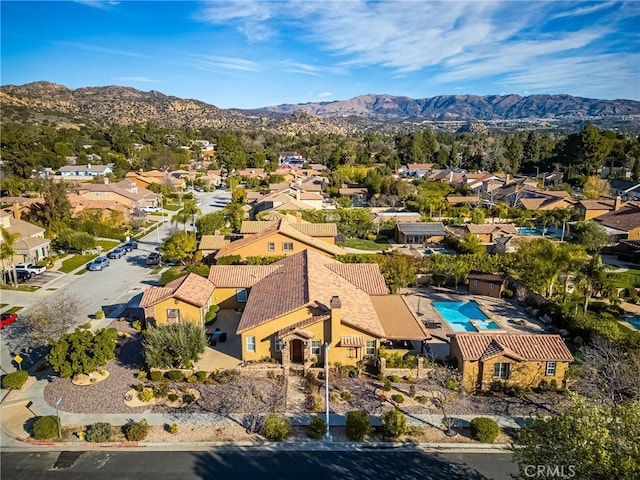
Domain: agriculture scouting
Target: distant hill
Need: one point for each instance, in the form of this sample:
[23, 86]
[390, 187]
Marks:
[468, 107]
[40, 101]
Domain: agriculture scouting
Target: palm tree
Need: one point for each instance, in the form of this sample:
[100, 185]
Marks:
[563, 215]
[593, 278]
[7, 252]
[189, 212]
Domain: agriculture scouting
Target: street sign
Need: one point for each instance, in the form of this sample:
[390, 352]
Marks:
[18, 359]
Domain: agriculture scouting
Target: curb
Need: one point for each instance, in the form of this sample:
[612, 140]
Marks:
[51, 443]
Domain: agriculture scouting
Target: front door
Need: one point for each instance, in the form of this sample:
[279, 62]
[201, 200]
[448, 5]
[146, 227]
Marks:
[296, 351]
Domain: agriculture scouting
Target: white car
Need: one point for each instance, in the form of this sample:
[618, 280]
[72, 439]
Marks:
[151, 209]
[31, 268]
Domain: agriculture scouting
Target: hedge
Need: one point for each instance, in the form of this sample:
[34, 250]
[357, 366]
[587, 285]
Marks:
[45, 428]
[15, 380]
[484, 430]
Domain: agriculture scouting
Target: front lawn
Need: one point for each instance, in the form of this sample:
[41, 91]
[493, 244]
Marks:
[106, 244]
[70, 264]
[20, 288]
[362, 244]
[172, 207]
[631, 278]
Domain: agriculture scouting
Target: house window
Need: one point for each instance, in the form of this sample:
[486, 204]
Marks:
[251, 344]
[551, 369]
[370, 347]
[278, 344]
[241, 295]
[315, 347]
[492, 286]
[271, 246]
[475, 282]
[173, 315]
[287, 246]
[501, 370]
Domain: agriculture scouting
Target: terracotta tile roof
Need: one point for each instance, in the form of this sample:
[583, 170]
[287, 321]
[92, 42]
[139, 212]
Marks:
[212, 242]
[626, 218]
[239, 276]
[599, 204]
[541, 347]
[546, 203]
[486, 277]
[24, 229]
[495, 349]
[353, 191]
[351, 341]
[398, 319]
[365, 276]
[420, 166]
[317, 229]
[310, 196]
[461, 200]
[294, 205]
[302, 324]
[191, 288]
[257, 226]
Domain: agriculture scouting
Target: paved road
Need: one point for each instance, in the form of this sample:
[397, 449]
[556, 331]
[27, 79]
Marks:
[255, 463]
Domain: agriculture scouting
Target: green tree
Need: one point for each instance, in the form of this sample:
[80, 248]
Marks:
[358, 425]
[471, 244]
[589, 442]
[173, 346]
[276, 427]
[56, 209]
[210, 223]
[591, 235]
[82, 351]
[179, 247]
[73, 240]
[7, 252]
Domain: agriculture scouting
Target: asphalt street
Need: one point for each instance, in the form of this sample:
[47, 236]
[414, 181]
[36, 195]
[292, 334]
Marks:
[109, 290]
[252, 463]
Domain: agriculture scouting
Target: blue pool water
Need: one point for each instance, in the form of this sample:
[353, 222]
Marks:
[460, 314]
[635, 321]
[537, 231]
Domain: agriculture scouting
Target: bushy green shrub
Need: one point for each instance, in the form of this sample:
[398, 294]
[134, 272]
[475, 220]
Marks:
[387, 385]
[173, 428]
[358, 425]
[99, 315]
[192, 379]
[422, 400]
[201, 375]
[137, 431]
[156, 375]
[142, 374]
[45, 428]
[146, 395]
[175, 375]
[313, 403]
[394, 378]
[224, 376]
[346, 395]
[172, 397]
[137, 325]
[99, 432]
[188, 398]
[394, 423]
[397, 398]
[316, 428]
[15, 380]
[276, 427]
[484, 430]
[175, 345]
[161, 390]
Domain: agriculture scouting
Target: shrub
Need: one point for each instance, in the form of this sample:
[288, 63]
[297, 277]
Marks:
[161, 390]
[156, 376]
[346, 395]
[387, 385]
[408, 378]
[175, 375]
[422, 400]
[86, 325]
[394, 378]
[316, 428]
[484, 430]
[192, 379]
[201, 375]
[99, 315]
[172, 397]
[188, 398]
[313, 403]
[137, 325]
[276, 427]
[412, 391]
[137, 431]
[146, 395]
[173, 428]
[358, 425]
[82, 351]
[45, 428]
[335, 396]
[394, 423]
[15, 380]
[452, 384]
[142, 374]
[139, 387]
[99, 432]
[397, 398]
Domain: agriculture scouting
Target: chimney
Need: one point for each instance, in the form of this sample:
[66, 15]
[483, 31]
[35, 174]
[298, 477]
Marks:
[297, 194]
[335, 305]
[106, 180]
[617, 204]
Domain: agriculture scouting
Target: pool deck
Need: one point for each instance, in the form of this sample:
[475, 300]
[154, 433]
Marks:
[507, 314]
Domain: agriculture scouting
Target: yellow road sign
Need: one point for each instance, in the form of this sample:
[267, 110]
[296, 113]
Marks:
[18, 359]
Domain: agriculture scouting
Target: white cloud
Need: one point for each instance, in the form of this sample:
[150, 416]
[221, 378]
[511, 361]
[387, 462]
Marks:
[322, 95]
[101, 4]
[213, 62]
[100, 49]
[138, 79]
[583, 10]
[248, 16]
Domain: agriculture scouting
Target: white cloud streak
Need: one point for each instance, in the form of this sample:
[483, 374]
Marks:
[100, 49]
[214, 62]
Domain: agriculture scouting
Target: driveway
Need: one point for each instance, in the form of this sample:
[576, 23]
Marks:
[45, 278]
[224, 354]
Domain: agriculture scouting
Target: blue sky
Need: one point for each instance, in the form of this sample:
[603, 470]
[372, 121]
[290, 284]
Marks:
[248, 54]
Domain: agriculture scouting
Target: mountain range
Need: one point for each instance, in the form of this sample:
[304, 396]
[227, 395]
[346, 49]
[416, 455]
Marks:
[39, 101]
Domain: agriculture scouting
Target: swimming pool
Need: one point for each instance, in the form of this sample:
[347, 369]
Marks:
[465, 316]
[635, 321]
[537, 232]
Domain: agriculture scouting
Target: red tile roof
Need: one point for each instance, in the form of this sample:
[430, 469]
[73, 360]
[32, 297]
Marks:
[191, 288]
[541, 347]
[244, 276]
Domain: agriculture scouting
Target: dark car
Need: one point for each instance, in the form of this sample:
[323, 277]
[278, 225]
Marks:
[154, 259]
[130, 245]
[7, 319]
[22, 276]
[117, 252]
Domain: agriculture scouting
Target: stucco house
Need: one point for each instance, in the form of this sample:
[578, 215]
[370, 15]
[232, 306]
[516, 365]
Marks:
[210, 245]
[126, 192]
[283, 237]
[30, 246]
[520, 359]
[291, 308]
[488, 233]
[590, 209]
[71, 171]
[622, 223]
[186, 299]
[488, 284]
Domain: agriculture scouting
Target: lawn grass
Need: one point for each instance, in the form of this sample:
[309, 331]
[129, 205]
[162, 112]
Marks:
[362, 244]
[70, 264]
[14, 309]
[21, 288]
[81, 272]
[107, 244]
[2, 305]
[156, 270]
[631, 278]
[172, 207]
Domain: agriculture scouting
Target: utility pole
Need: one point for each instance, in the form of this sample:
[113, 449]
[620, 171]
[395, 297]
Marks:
[327, 435]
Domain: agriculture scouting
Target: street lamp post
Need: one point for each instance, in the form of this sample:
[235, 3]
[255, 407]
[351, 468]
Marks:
[58, 417]
[327, 435]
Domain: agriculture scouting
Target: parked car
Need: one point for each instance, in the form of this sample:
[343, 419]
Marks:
[151, 209]
[22, 276]
[154, 259]
[117, 252]
[130, 245]
[7, 319]
[98, 264]
[30, 267]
